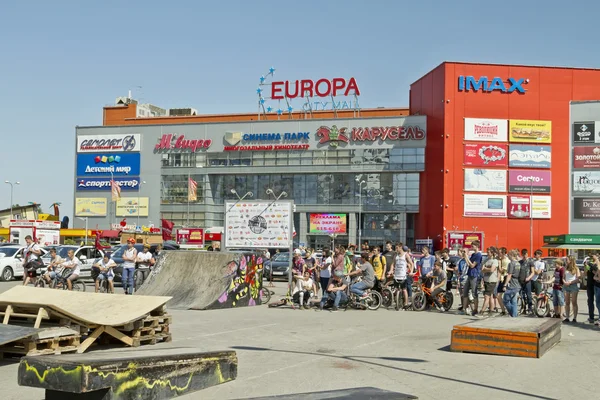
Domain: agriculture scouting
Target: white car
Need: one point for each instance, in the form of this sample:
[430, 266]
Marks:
[11, 262]
[88, 255]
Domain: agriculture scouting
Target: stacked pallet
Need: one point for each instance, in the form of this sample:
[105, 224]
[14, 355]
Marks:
[66, 328]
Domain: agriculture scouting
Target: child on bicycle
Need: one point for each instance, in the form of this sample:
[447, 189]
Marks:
[105, 267]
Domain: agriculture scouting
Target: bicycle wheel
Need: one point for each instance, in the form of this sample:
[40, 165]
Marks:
[387, 297]
[265, 296]
[374, 300]
[419, 301]
[78, 286]
[103, 286]
[448, 300]
[40, 283]
[520, 305]
[540, 309]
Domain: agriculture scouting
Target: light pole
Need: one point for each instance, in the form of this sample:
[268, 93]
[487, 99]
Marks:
[248, 194]
[360, 183]
[11, 197]
[531, 218]
[86, 228]
[138, 208]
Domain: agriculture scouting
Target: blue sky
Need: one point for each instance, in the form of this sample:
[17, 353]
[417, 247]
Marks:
[63, 61]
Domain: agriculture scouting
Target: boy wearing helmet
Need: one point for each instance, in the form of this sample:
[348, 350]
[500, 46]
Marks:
[129, 258]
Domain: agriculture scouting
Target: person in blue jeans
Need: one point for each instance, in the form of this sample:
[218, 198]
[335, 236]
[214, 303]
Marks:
[365, 269]
[336, 291]
[129, 257]
[512, 285]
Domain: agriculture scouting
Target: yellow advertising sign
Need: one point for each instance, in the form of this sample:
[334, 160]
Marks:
[91, 207]
[131, 206]
[529, 131]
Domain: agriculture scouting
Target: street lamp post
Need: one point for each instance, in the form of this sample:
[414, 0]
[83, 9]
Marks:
[138, 208]
[86, 228]
[11, 196]
[360, 183]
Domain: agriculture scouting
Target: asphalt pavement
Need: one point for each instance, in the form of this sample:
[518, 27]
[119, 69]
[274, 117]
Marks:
[284, 351]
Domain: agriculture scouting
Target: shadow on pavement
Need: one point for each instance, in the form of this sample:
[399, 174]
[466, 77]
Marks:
[362, 359]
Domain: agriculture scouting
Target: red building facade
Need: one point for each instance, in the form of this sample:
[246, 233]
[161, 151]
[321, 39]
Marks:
[453, 92]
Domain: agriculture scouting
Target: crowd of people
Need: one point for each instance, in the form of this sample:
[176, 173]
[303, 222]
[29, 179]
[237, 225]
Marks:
[508, 279]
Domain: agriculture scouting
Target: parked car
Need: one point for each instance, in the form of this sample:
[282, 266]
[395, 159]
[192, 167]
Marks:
[117, 255]
[277, 266]
[11, 262]
[87, 255]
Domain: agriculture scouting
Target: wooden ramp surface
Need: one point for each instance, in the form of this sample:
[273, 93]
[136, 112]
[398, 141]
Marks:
[89, 308]
[521, 337]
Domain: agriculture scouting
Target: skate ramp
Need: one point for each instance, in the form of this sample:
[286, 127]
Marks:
[206, 280]
[89, 308]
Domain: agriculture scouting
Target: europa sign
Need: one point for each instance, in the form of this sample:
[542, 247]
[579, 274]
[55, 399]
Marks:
[309, 88]
[336, 136]
[489, 85]
[170, 142]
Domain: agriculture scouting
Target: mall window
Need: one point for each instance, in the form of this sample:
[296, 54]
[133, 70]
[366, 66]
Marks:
[182, 218]
[174, 189]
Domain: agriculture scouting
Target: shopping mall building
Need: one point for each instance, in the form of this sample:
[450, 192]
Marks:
[505, 153]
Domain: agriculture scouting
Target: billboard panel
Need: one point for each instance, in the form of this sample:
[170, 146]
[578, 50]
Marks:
[485, 155]
[519, 207]
[483, 205]
[530, 131]
[586, 157]
[459, 240]
[486, 130]
[485, 180]
[190, 236]
[527, 181]
[529, 156]
[109, 143]
[327, 223]
[541, 207]
[132, 207]
[92, 164]
[586, 209]
[131, 183]
[586, 183]
[258, 224]
[91, 207]
[584, 132]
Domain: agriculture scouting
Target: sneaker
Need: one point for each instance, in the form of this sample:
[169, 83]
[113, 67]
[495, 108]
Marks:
[597, 323]
[461, 312]
[474, 313]
[566, 321]
[320, 308]
[364, 296]
[460, 308]
[574, 321]
[590, 320]
[334, 309]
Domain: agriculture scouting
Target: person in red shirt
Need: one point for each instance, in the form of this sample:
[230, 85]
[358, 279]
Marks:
[558, 296]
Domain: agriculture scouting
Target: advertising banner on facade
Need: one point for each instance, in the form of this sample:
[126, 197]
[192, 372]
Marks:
[131, 183]
[586, 208]
[485, 180]
[101, 165]
[259, 224]
[585, 132]
[190, 236]
[529, 131]
[327, 223]
[463, 240]
[48, 237]
[109, 143]
[132, 206]
[527, 181]
[586, 157]
[486, 130]
[541, 207]
[483, 205]
[519, 207]
[91, 207]
[586, 183]
[530, 156]
[486, 155]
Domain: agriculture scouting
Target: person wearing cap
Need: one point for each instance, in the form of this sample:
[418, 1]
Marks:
[105, 265]
[336, 291]
[145, 260]
[129, 259]
[298, 265]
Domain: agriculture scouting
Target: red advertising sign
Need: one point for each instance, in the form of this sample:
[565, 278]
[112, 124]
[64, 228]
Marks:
[459, 240]
[519, 207]
[307, 87]
[190, 236]
[171, 141]
[586, 157]
[481, 155]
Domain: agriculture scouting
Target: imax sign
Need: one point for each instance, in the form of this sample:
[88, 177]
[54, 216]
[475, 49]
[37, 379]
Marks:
[485, 84]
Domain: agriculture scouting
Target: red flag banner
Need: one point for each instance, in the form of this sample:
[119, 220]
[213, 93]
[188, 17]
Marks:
[167, 229]
[192, 190]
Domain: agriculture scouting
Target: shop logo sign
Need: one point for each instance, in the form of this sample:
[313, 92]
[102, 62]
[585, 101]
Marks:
[171, 142]
[335, 136]
[332, 135]
[485, 84]
[233, 138]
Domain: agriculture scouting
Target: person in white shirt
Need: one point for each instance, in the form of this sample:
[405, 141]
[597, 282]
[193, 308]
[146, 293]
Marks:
[129, 259]
[105, 265]
[538, 272]
[145, 260]
[302, 290]
[54, 268]
[73, 264]
[325, 273]
[31, 255]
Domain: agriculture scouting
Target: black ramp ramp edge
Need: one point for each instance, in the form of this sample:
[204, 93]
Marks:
[360, 393]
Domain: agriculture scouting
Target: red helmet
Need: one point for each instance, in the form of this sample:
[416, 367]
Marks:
[131, 240]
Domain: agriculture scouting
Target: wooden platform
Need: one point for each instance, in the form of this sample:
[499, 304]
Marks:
[519, 337]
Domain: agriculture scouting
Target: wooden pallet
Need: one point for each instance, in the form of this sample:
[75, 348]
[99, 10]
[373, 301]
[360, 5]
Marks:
[38, 347]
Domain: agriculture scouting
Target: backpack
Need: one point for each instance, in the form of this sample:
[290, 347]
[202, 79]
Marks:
[347, 264]
[381, 260]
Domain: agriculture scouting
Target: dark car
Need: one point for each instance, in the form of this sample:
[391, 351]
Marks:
[117, 255]
[277, 266]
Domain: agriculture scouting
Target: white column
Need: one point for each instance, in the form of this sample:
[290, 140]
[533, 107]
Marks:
[302, 230]
[352, 228]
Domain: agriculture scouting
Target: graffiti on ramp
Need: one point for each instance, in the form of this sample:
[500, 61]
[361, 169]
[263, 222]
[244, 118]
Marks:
[245, 274]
